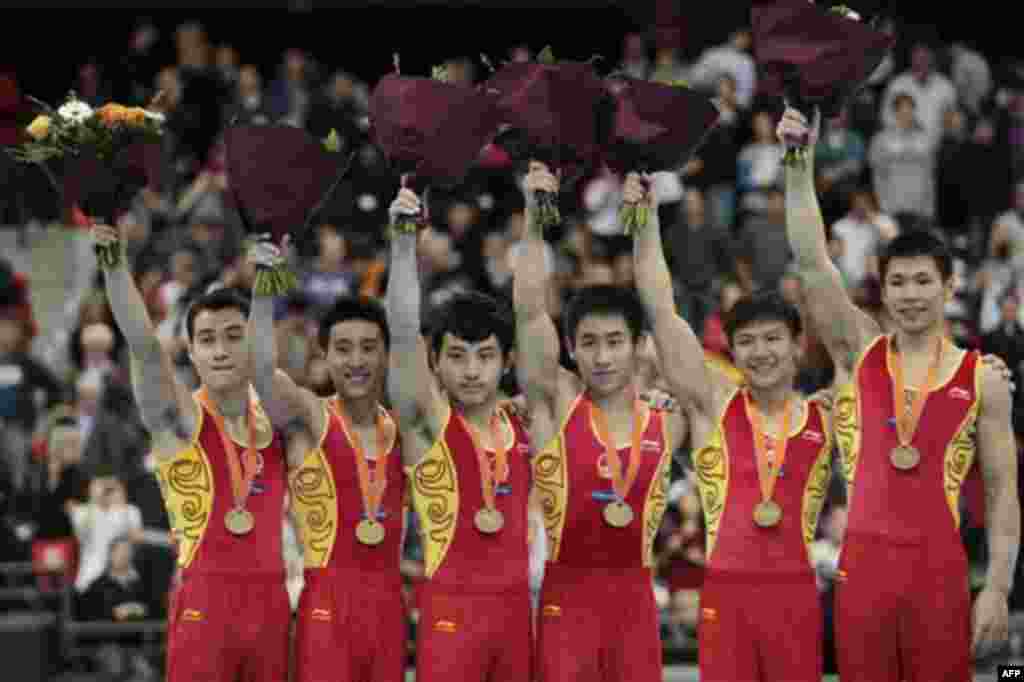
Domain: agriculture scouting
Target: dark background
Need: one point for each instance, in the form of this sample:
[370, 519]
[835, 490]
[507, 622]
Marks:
[45, 40]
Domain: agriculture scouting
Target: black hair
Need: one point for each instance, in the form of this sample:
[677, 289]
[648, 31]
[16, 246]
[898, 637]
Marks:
[220, 299]
[354, 308]
[765, 306]
[914, 244]
[604, 300]
[473, 317]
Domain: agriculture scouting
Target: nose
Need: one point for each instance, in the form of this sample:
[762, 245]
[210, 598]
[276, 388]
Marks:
[472, 367]
[602, 356]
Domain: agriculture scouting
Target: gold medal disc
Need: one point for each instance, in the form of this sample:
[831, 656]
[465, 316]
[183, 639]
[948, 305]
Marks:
[618, 514]
[767, 514]
[239, 521]
[905, 457]
[489, 521]
[370, 532]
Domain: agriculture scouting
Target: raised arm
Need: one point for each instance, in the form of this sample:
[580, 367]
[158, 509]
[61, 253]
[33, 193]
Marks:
[284, 400]
[843, 327]
[679, 349]
[165, 405]
[411, 385]
[997, 457]
[536, 334]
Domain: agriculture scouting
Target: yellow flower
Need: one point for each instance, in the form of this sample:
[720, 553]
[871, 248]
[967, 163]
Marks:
[332, 142]
[39, 128]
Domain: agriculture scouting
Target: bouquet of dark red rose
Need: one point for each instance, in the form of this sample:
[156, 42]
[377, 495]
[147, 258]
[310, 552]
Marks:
[430, 130]
[107, 155]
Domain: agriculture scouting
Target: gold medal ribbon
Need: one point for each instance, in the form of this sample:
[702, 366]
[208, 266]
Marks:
[372, 484]
[490, 476]
[620, 484]
[906, 424]
[242, 472]
[767, 472]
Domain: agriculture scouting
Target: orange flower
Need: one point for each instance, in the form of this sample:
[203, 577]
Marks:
[135, 116]
[112, 114]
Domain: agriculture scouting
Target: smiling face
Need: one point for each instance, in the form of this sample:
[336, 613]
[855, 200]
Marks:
[767, 353]
[357, 358]
[219, 351]
[914, 294]
[605, 353]
[470, 372]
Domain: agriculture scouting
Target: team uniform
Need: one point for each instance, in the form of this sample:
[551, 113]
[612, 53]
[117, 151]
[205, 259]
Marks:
[475, 616]
[351, 618]
[760, 616]
[903, 602]
[229, 613]
[598, 619]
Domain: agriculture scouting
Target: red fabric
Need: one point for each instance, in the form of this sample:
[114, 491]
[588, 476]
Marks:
[779, 639]
[468, 638]
[714, 338]
[363, 629]
[46, 552]
[378, 561]
[742, 546]
[487, 563]
[902, 612]
[228, 628]
[907, 506]
[260, 551]
[587, 540]
[599, 624]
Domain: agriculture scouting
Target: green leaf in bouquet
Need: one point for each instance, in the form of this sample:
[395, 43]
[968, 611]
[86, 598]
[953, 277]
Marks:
[546, 56]
[332, 142]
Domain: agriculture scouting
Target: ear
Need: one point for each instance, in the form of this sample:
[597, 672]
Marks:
[570, 348]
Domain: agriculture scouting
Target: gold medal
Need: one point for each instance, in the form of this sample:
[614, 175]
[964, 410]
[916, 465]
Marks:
[489, 521]
[239, 521]
[767, 514]
[370, 532]
[905, 457]
[618, 514]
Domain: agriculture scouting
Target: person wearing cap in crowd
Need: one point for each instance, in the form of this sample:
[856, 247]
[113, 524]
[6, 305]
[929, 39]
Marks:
[222, 473]
[348, 492]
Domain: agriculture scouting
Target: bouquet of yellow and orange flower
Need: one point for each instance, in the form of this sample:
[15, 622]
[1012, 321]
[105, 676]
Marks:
[108, 154]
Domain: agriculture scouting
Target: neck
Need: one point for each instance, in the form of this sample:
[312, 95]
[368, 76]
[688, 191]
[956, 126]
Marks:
[479, 415]
[618, 402]
[772, 400]
[360, 411]
[918, 342]
[231, 403]
[120, 572]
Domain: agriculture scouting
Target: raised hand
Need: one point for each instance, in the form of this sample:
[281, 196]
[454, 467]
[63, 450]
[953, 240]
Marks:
[404, 211]
[797, 134]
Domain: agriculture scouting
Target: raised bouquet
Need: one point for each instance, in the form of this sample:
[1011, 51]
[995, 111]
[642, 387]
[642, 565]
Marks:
[657, 128]
[430, 130]
[556, 112]
[813, 57]
[282, 179]
[105, 156]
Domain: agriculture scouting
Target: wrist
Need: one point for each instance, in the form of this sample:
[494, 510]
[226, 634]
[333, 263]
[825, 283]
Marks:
[1001, 588]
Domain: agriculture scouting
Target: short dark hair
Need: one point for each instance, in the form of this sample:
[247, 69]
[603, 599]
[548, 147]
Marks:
[473, 317]
[354, 308]
[219, 299]
[605, 300]
[764, 306]
[914, 244]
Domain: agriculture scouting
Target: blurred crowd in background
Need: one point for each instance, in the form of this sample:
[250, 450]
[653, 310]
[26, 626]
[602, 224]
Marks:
[935, 142]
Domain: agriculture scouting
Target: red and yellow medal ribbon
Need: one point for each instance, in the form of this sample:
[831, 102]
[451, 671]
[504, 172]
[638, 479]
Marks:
[372, 483]
[767, 472]
[490, 476]
[906, 424]
[620, 484]
[242, 472]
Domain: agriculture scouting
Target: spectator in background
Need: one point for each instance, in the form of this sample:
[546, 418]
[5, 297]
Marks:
[1007, 341]
[338, 106]
[112, 432]
[1007, 234]
[860, 233]
[696, 252]
[759, 165]
[953, 209]
[330, 275]
[98, 523]
[226, 61]
[139, 65]
[731, 58]
[763, 242]
[972, 77]
[90, 86]
[200, 111]
[249, 104]
[902, 160]
[839, 159]
[635, 62]
[718, 173]
[931, 91]
[290, 94]
[713, 335]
